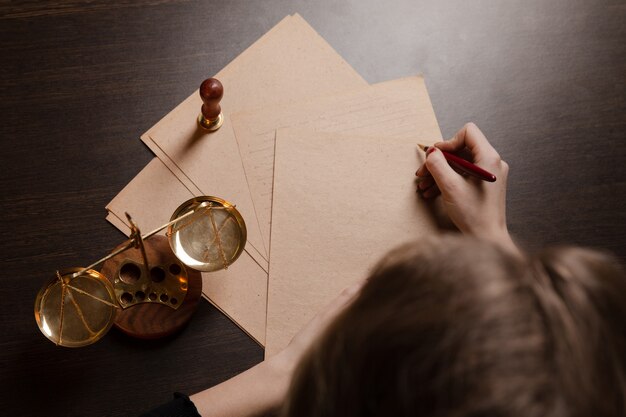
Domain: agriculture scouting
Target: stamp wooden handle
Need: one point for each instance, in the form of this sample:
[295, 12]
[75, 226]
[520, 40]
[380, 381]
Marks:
[211, 92]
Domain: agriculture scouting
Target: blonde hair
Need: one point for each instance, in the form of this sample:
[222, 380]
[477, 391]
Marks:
[453, 326]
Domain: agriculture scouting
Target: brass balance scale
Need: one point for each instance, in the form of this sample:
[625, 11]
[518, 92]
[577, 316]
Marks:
[150, 285]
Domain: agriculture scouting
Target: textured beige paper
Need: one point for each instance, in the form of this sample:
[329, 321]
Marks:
[284, 24]
[397, 108]
[340, 203]
[240, 292]
[401, 108]
[291, 62]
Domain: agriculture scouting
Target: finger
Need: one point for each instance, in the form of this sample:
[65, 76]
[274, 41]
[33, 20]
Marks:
[425, 183]
[422, 172]
[340, 302]
[448, 181]
[432, 192]
[471, 137]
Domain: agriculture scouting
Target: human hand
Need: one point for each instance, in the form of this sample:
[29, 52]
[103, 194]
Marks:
[476, 207]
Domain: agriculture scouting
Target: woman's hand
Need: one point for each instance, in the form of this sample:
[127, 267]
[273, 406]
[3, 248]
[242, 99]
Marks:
[476, 207]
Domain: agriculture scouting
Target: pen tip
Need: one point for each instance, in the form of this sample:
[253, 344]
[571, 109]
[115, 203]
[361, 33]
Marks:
[422, 147]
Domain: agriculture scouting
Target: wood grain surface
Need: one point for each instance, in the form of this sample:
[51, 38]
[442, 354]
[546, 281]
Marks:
[81, 80]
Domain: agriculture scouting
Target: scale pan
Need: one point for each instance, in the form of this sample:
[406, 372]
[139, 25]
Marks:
[210, 239]
[75, 312]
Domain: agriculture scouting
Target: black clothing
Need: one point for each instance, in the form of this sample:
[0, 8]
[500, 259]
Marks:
[180, 406]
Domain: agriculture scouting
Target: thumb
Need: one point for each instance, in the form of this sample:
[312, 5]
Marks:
[446, 178]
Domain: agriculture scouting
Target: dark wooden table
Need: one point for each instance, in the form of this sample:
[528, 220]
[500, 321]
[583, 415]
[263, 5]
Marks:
[81, 80]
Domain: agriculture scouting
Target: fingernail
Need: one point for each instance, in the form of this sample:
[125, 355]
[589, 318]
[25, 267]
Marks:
[431, 150]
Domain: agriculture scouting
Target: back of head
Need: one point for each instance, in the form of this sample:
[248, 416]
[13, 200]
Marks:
[457, 327]
[582, 296]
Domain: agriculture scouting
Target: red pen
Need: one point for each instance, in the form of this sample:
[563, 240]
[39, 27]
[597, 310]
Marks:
[463, 165]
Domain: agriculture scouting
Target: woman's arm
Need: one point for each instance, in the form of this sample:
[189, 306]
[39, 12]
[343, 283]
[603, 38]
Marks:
[262, 388]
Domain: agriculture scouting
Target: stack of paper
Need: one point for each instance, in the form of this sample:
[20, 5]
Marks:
[319, 163]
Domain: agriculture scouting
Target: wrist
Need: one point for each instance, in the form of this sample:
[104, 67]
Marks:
[260, 390]
[276, 373]
[502, 238]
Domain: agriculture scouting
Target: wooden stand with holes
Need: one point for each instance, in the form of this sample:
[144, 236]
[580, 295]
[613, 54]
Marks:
[154, 320]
